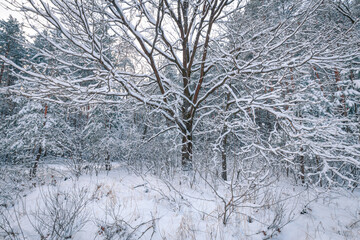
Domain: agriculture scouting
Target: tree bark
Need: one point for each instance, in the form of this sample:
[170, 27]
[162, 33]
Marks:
[2, 71]
[107, 162]
[3, 65]
[187, 146]
[223, 156]
[318, 168]
[36, 163]
[302, 167]
[224, 143]
[187, 152]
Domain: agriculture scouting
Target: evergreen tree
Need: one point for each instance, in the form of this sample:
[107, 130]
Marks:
[36, 130]
[12, 46]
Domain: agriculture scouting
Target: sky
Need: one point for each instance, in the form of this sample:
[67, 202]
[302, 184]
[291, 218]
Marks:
[5, 12]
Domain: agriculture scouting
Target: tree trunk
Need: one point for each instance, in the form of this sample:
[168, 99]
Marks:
[224, 143]
[186, 152]
[223, 156]
[318, 169]
[187, 147]
[107, 162]
[302, 167]
[339, 88]
[36, 163]
[3, 65]
[2, 71]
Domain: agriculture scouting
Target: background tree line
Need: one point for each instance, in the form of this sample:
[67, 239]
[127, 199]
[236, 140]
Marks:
[232, 89]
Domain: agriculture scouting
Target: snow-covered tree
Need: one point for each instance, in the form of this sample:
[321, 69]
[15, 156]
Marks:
[37, 129]
[242, 69]
[11, 46]
[282, 114]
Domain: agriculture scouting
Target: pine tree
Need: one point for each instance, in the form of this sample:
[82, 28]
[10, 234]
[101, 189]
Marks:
[37, 129]
[11, 46]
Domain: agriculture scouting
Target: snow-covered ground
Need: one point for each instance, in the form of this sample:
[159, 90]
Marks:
[121, 204]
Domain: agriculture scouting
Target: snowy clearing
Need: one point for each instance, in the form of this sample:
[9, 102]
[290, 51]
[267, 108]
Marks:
[123, 205]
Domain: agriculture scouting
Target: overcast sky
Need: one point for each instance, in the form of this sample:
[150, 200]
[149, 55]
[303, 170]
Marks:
[5, 12]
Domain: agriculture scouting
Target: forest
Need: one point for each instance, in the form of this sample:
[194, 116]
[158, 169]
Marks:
[180, 119]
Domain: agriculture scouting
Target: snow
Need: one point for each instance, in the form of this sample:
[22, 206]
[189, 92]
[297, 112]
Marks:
[330, 217]
[128, 205]
[212, 86]
[357, 83]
